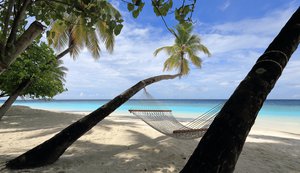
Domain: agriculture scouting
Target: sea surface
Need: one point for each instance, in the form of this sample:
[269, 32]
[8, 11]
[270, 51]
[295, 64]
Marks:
[184, 108]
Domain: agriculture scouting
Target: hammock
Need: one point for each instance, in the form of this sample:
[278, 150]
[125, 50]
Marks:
[164, 122]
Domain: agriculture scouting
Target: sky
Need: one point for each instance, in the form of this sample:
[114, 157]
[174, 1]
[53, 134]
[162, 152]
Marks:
[235, 31]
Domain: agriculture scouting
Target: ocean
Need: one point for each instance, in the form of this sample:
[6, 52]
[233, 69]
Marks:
[185, 108]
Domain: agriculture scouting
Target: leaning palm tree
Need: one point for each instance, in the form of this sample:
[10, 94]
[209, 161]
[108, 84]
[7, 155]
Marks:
[185, 48]
[73, 34]
[49, 151]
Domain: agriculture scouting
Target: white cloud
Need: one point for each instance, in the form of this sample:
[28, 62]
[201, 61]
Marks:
[235, 47]
[268, 25]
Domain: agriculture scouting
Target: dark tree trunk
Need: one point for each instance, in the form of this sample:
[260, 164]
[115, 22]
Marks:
[63, 53]
[49, 151]
[12, 98]
[220, 147]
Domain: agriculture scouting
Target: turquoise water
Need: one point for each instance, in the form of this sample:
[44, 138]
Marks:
[190, 108]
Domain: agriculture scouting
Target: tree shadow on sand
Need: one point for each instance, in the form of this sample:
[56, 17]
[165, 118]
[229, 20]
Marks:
[140, 153]
[23, 118]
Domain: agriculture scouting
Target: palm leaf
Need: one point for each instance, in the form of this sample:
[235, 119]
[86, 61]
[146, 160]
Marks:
[184, 68]
[93, 45]
[172, 63]
[185, 48]
[168, 49]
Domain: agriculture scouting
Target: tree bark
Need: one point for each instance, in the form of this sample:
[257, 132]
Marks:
[12, 98]
[13, 51]
[16, 22]
[9, 12]
[49, 151]
[63, 53]
[220, 147]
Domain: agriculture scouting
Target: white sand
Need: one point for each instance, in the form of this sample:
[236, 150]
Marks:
[126, 144]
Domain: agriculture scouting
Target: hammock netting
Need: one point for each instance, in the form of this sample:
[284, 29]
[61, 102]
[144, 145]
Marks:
[164, 122]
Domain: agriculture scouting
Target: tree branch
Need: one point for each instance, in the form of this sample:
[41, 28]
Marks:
[61, 2]
[63, 53]
[35, 29]
[192, 10]
[3, 94]
[6, 22]
[163, 19]
[20, 15]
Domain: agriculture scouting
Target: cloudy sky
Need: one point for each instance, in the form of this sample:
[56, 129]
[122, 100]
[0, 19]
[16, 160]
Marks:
[235, 31]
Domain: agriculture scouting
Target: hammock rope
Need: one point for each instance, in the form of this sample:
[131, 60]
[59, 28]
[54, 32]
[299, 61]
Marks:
[164, 122]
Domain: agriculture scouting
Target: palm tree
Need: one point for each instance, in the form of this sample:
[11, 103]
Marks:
[75, 34]
[220, 147]
[49, 151]
[185, 48]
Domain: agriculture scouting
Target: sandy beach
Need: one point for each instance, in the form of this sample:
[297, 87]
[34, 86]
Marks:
[126, 144]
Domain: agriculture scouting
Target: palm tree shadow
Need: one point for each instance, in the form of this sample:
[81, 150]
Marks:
[144, 155]
[141, 154]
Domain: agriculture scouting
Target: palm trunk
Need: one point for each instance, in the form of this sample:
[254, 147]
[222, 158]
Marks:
[12, 98]
[49, 151]
[63, 53]
[220, 147]
[11, 52]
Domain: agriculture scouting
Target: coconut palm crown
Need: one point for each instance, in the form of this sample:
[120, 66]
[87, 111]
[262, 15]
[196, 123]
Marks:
[73, 34]
[185, 48]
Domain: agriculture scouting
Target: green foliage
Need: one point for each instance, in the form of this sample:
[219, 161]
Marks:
[135, 6]
[74, 33]
[185, 48]
[38, 63]
[162, 7]
[182, 14]
[90, 11]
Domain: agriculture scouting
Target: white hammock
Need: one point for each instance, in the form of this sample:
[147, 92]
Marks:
[164, 122]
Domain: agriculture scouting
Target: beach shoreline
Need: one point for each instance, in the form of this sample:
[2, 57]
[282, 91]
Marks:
[127, 144]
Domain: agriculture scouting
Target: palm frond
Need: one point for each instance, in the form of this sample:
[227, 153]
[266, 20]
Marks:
[168, 49]
[172, 63]
[193, 39]
[61, 36]
[184, 68]
[196, 60]
[203, 49]
[105, 36]
[93, 45]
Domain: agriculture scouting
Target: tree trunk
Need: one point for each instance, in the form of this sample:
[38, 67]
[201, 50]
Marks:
[49, 151]
[11, 52]
[12, 98]
[63, 53]
[220, 147]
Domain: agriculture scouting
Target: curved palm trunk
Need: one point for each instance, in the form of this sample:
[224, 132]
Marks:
[219, 149]
[49, 151]
[11, 99]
